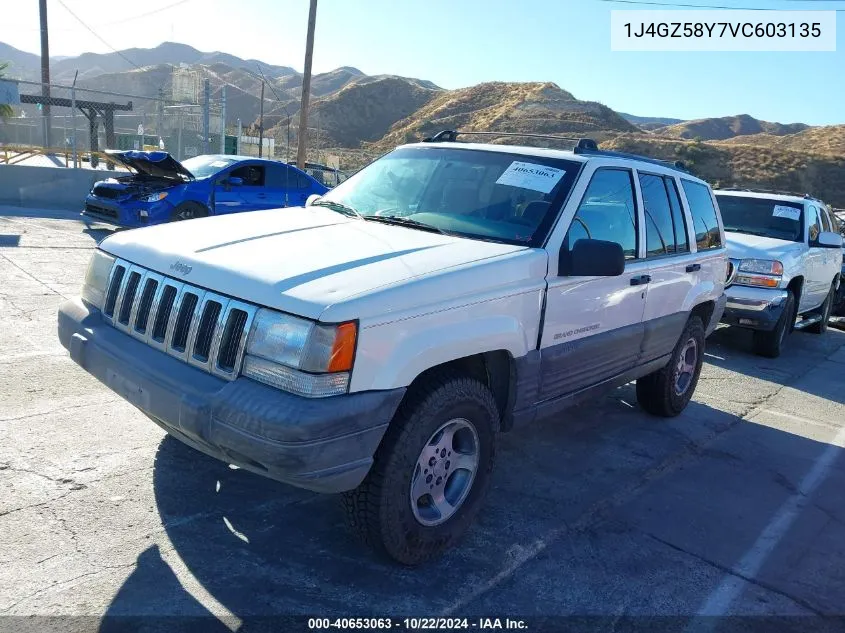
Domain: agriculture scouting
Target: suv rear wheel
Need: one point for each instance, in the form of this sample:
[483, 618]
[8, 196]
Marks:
[667, 391]
[430, 474]
[770, 344]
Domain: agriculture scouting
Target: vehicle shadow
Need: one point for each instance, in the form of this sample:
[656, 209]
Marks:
[565, 491]
[731, 348]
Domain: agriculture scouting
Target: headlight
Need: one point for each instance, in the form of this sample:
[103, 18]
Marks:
[155, 197]
[96, 278]
[759, 272]
[762, 266]
[298, 355]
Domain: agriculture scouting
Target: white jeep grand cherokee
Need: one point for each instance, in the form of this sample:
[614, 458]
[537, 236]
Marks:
[376, 341]
[786, 258]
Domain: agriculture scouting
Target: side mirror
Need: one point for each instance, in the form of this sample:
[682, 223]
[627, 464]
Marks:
[234, 181]
[594, 258]
[829, 239]
[312, 199]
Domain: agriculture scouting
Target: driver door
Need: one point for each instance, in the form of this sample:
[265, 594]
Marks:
[249, 195]
[593, 327]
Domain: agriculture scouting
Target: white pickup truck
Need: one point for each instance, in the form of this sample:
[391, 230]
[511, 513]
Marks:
[786, 261]
[376, 341]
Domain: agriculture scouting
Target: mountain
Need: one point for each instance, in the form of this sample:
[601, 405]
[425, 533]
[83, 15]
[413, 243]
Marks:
[732, 164]
[22, 65]
[649, 120]
[827, 139]
[537, 108]
[728, 127]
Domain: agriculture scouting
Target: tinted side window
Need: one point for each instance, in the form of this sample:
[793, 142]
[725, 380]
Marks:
[607, 211]
[660, 233]
[813, 223]
[284, 177]
[703, 213]
[252, 175]
[678, 218]
[825, 217]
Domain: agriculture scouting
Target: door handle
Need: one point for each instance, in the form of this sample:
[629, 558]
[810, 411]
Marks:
[642, 279]
[693, 267]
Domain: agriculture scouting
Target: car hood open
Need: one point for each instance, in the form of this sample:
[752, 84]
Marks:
[298, 260]
[156, 164]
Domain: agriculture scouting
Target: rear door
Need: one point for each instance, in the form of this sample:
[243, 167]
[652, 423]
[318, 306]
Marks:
[287, 186]
[672, 266]
[592, 328]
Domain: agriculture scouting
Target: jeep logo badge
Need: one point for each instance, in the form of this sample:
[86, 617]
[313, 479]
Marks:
[179, 267]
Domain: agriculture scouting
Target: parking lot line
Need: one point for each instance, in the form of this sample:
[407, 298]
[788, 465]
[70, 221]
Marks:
[722, 598]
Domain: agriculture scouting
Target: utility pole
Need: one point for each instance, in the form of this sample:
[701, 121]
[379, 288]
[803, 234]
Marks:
[160, 117]
[261, 124]
[306, 86]
[45, 71]
[206, 115]
[223, 121]
[73, 117]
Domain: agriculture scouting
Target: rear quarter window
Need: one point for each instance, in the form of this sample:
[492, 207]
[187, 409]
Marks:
[704, 219]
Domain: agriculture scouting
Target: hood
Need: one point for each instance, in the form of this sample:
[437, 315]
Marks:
[298, 260]
[744, 246]
[157, 164]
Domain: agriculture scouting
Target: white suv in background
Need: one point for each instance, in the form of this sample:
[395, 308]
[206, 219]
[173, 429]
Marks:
[376, 341]
[786, 260]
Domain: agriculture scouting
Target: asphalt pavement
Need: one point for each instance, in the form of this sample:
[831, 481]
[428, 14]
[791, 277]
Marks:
[603, 518]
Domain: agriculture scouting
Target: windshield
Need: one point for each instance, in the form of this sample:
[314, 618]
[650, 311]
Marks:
[760, 216]
[496, 196]
[205, 166]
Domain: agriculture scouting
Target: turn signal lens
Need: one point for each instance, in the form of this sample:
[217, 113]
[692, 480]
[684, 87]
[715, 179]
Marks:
[343, 349]
[757, 280]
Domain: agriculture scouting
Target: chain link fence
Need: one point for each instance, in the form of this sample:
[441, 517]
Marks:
[183, 111]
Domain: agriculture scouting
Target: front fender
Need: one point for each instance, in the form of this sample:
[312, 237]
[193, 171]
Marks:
[393, 354]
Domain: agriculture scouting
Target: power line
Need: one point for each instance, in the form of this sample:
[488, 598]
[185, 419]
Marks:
[144, 15]
[94, 33]
[696, 6]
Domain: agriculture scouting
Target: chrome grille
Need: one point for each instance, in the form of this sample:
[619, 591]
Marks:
[200, 327]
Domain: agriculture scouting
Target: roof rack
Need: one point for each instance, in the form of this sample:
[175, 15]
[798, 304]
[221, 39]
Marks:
[451, 136]
[777, 192]
[585, 146]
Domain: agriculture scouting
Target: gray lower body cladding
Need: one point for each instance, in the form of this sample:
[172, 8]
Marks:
[320, 444]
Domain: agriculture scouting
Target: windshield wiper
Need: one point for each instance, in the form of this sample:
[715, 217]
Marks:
[345, 209]
[400, 221]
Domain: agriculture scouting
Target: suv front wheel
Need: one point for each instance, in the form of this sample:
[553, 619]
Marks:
[667, 391]
[770, 343]
[431, 473]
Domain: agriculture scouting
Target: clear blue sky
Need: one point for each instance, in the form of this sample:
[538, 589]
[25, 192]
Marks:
[458, 43]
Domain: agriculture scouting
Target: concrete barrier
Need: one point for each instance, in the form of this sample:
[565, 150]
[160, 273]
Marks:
[48, 187]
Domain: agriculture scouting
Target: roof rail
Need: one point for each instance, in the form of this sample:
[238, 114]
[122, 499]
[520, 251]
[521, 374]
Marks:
[777, 192]
[679, 165]
[585, 146]
[451, 136]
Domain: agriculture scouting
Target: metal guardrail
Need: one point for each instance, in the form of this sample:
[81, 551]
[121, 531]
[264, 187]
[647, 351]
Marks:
[15, 154]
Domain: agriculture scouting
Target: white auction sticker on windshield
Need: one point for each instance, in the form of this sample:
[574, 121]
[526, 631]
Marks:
[531, 176]
[786, 212]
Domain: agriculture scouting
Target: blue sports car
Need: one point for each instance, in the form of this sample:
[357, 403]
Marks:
[162, 189]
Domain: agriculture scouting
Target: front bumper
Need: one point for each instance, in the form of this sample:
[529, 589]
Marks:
[126, 213]
[754, 308]
[321, 444]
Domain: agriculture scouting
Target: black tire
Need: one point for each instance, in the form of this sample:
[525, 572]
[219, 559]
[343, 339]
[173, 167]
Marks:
[667, 391]
[188, 211]
[771, 343]
[380, 509]
[825, 311]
